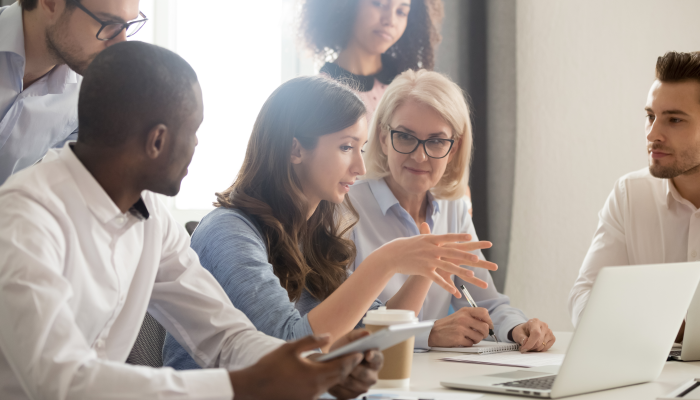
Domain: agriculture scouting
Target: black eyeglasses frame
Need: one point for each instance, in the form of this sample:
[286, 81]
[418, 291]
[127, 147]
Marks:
[125, 25]
[420, 142]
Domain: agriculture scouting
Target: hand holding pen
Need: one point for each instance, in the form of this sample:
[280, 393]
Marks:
[465, 327]
[472, 303]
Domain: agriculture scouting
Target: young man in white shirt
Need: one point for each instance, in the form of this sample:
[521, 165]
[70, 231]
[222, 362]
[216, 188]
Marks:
[86, 250]
[45, 45]
[652, 215]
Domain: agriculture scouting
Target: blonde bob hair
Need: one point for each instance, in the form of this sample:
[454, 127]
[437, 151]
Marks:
[447, 99]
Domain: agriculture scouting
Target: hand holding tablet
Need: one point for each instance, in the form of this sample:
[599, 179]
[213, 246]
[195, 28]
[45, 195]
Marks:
[380, 340]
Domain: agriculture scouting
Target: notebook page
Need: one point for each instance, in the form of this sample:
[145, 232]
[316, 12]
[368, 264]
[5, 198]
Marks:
[482, 347]
[511, 359]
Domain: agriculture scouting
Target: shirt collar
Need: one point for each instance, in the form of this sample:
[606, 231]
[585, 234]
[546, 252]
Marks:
[672, 194]
[12, 30]
[96, 199]
[12, 41]
[59, 77]
[363, 83]
[432, 201]
[386, 199]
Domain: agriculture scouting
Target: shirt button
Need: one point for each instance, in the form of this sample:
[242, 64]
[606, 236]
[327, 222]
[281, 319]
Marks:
[100, 343]
[693, 254]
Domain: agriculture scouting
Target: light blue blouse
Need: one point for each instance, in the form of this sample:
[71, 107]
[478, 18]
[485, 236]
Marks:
[231, 246]
[382, 219]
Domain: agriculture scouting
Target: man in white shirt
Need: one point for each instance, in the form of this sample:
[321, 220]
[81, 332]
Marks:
[652, 215]
[44, 46]
[86, 250]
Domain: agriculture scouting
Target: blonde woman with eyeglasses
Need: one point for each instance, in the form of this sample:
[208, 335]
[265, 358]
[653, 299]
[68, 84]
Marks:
[417, 164]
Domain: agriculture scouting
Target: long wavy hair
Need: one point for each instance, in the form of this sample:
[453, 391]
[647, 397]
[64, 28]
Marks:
[306, 254]
[325, 27]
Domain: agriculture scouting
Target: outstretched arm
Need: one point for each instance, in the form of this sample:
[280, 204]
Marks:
[422, 255]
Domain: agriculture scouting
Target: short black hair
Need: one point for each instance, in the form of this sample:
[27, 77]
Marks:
[29, 5]
[131, 87]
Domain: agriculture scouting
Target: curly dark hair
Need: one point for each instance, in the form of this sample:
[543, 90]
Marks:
[326, 25]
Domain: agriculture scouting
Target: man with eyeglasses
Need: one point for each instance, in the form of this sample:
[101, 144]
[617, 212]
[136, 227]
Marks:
[45, 45]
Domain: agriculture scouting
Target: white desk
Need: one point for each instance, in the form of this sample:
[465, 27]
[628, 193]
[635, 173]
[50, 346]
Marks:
[428, 371]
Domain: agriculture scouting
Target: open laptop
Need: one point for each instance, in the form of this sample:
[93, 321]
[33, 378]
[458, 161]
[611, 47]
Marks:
[623, 337]
[690, 350]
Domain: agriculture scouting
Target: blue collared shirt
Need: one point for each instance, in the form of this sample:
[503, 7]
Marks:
[36, 118]
[382, 219]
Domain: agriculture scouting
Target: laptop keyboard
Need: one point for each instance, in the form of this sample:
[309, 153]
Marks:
[675, 353]
[542, 383]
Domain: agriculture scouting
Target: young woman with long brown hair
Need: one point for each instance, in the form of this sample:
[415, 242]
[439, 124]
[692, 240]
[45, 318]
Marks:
[278, 239]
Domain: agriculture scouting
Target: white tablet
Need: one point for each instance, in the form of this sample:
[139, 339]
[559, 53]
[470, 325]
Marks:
[380, 340]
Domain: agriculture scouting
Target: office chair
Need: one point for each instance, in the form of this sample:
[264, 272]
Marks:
[148, 349]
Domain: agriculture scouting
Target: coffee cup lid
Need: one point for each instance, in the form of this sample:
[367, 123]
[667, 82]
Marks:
[382, 316]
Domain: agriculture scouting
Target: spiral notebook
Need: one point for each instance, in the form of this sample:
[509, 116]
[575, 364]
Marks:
[482, 347]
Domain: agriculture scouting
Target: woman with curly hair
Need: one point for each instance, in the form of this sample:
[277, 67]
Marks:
[278, 241]
[371, 41]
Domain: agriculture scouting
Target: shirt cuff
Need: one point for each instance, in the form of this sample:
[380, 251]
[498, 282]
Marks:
[208, 384]
[422, 339]
[504, 329]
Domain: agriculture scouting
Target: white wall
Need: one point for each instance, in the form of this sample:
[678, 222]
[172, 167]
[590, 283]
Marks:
[583, 72]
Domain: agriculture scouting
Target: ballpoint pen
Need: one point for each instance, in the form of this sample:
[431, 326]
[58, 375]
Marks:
[473, 304]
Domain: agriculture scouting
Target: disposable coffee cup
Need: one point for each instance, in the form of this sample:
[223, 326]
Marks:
[396, 372]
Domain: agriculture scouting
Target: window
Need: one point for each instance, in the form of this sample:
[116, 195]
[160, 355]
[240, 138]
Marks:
[241, 52]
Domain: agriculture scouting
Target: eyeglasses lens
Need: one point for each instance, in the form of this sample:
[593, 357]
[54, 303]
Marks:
[134, 28]
[404, 143]
[437, 147]
[110, 31]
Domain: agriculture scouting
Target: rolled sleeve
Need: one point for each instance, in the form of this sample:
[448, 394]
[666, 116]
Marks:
[375, 305]
[209, 383]
[421, 341]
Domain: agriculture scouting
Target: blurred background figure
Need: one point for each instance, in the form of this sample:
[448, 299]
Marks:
[369, 42]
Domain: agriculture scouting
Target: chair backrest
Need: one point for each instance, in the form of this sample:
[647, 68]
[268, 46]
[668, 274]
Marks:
[148, 349]
[191, 226]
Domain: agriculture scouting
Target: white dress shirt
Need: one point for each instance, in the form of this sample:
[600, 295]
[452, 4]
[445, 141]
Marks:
[76, 279]
[35, 118]
[382, 219]
[644, 221]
